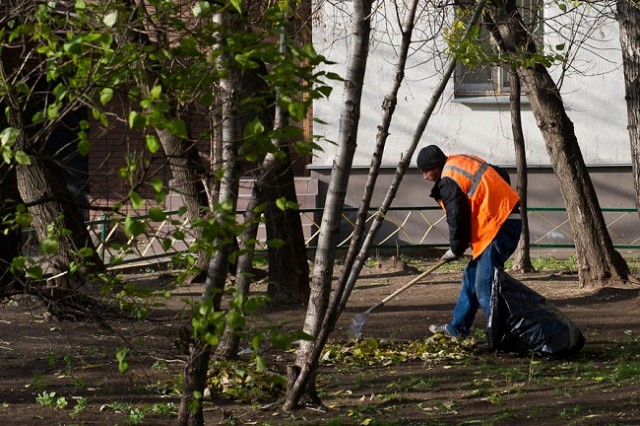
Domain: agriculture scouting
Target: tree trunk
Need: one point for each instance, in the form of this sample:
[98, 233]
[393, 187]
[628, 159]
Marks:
[598, 260]
[629, 22]
[228, 197]
[195, 380]
[330, 226]
[229, 184]
[42, 189]
[51, 204]
[190, 180]
[288, 263]
[230, 342]
[521, 257]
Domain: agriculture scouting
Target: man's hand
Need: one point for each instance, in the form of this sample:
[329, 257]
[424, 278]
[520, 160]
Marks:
[448, 256]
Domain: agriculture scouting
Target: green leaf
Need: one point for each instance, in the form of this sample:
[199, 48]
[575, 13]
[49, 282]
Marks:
[121, 354]
[155, 92]
[237, 4]
[18, 264]
[38, 117]
[188, 47]
[85, 252]
[49, 246]
[133, 227]
[22, 158]
[110, 19]
[9, 136]
[283, 204]
[254, 127]
[297, 110]
[74, 46]
[84, 146]
[136, 200]
[157, 184]
[52, 111]
[261, 366]
[152, 143]
[281, 341]
[60, 92]
[166, 244]
[200, 7]
[235, 320]
[178, 128]
[35, 272]
[275, 243]
[157, 215]
[136, 120]
[24, 219]
[106, 95]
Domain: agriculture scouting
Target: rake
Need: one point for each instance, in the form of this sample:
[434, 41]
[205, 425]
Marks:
[358, 321]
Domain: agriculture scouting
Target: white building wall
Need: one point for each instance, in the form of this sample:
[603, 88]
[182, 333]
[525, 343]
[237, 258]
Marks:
[593, 94]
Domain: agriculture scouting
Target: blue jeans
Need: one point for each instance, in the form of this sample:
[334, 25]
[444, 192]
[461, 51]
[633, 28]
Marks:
[478, 277]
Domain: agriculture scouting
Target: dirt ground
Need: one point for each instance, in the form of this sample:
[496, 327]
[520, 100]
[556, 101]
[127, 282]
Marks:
[67, 373]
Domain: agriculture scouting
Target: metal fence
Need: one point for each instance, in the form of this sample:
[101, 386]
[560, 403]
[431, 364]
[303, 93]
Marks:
[402, 227]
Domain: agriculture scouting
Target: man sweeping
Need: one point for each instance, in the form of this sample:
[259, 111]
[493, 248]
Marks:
[483, 213]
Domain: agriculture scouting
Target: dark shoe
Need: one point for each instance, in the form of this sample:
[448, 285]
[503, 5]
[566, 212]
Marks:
[439, 329]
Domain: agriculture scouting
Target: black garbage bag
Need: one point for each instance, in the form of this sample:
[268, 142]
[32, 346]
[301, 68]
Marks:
[524, 322]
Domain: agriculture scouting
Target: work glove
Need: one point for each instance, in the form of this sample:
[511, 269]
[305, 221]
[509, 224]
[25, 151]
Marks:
[449, 255]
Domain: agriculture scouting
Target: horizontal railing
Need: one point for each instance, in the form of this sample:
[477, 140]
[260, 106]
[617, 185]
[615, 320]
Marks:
[403, 227]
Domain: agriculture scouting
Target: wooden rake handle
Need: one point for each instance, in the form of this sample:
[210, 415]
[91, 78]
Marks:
[407, 285]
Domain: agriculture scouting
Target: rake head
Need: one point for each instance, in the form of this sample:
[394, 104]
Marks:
[357, 323]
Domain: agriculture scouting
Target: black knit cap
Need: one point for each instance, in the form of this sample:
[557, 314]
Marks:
[430, 157]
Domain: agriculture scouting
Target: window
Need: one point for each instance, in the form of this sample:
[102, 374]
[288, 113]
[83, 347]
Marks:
[492, 80]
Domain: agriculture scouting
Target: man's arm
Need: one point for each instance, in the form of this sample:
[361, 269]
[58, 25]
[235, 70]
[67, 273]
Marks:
[458, 211]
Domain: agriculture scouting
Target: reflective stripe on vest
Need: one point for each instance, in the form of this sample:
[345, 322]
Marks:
[474, 178]
[491, 198]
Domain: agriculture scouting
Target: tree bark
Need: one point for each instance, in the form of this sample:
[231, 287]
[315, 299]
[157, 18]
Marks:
[521, 259]
[336, 193]
[228, 197]
[195, 379]
[598, 261]
[51, 203]
[190, 180]
[288, 264]
[230, 342]
[628, 16]
[39, 183]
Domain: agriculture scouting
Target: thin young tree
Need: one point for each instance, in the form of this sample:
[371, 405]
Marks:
[347, 281]
[521, 259]
[300, 381]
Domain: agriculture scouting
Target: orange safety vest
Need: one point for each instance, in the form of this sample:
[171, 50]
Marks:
[491, 198]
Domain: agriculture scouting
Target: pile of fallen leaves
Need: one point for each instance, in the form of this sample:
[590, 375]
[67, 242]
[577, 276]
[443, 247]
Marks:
[369, 352]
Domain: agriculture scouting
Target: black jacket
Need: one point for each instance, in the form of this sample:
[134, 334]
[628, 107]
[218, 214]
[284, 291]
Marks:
[458, 211]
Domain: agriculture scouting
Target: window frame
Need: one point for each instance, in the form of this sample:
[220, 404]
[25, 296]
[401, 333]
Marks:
[496, 81]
